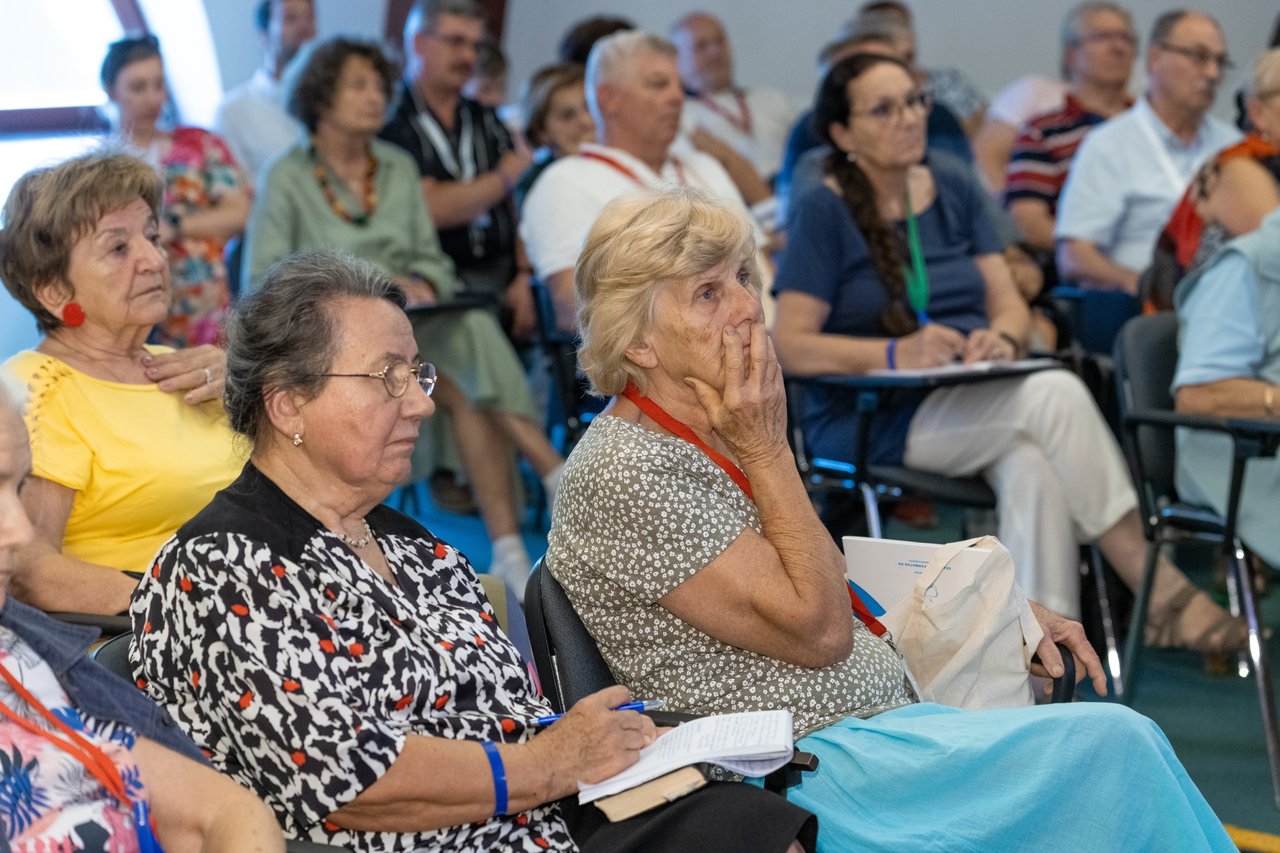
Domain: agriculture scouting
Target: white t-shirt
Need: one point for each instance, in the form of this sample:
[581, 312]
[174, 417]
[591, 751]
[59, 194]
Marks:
[253, 120]
[754, 122]
[566, 199]
[1026, 98]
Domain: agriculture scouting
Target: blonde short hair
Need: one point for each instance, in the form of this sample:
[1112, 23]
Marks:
[638, 243]
[1265, 79]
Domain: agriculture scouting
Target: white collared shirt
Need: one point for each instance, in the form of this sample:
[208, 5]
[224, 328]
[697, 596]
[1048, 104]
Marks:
[1127, 178]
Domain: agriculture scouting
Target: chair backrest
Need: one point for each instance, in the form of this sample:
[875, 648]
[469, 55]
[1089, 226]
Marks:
[1146, 358]
[560, 349]
[113, 655]
[567, 656]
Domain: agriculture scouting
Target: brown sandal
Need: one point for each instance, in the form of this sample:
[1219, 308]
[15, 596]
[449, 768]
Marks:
[1224, 635]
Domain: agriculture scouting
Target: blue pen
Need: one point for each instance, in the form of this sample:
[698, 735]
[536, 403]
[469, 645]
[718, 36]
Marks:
[646, 705]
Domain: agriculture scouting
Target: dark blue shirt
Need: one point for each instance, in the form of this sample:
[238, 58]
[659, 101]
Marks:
[827, 258]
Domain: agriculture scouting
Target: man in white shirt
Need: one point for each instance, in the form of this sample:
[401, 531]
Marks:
[754, 122]
[252, 117]
[1130, 172]
[634, 93]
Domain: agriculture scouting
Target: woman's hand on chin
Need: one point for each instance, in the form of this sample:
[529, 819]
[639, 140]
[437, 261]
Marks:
[592, 741]
[750, 415]
[198, 371]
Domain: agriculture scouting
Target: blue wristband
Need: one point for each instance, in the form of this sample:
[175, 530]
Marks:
[889, 353]
[499, 776]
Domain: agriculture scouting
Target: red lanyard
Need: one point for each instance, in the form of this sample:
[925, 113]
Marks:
[626, 170]
[93, 758]
[742, 121]
[682, 430]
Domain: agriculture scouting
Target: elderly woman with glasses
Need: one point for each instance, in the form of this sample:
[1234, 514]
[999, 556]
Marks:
[343, 662]
[894, 265]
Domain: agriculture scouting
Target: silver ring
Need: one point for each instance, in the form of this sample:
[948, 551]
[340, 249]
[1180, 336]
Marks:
[208, 376]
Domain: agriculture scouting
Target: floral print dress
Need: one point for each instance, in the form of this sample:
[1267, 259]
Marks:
[48, 799]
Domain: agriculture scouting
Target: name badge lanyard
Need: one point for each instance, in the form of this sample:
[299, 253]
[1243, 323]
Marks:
[460, 166]
[101, 767]
[629, 172]
[1161, 154]
[917, 274]
[681, 430]
[740, 122]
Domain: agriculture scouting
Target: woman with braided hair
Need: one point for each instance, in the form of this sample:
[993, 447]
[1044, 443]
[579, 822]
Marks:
[893, 264]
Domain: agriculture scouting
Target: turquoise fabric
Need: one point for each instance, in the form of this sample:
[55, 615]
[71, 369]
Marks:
[1082, 776]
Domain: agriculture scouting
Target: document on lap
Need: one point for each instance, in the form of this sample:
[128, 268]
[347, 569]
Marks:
[752, 743]
[884, 571]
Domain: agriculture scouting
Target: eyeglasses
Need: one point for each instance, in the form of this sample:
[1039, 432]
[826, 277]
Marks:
[1200, 56]
[454, 41]
[891, 111]
[396, 375]
[1110, 37]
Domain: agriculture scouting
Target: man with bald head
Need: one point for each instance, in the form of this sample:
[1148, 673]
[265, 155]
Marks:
[754, 122]
[1131, 170]
[634, 94]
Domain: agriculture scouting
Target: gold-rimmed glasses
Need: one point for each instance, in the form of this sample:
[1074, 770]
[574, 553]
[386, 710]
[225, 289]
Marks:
[396, 375]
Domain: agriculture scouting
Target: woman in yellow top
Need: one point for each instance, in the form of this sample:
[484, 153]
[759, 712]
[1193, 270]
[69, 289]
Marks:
[128, 440]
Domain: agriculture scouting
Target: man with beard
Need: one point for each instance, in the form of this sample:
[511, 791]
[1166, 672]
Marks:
[252, 117]
[634, 93]
[1130, 172]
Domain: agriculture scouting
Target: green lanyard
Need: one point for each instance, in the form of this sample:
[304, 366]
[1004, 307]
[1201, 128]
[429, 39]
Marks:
[916, 275]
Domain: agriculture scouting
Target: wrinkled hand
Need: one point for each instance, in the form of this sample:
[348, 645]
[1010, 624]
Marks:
[751, 412]
[592, 741]
[199, 371]
[519, 299]
[986, 345]
[932, 345]
[1060, 629]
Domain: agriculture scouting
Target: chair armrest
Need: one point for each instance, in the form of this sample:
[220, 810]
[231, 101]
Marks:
[1170, 420]
[1253, 437]
[788, 775]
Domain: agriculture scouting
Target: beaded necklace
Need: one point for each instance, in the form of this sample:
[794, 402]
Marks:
[368, 195]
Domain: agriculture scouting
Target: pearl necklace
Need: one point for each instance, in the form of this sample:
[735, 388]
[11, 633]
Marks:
[362, 541]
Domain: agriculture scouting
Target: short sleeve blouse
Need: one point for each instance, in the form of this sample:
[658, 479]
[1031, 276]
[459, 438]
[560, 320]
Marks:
[828, 258]
[301, 672]
[639, 513]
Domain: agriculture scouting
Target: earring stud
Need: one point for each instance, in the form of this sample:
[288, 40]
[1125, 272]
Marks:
[297, 439]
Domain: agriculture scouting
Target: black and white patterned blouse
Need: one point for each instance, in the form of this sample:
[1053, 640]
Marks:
[637, 514]
[300, 671]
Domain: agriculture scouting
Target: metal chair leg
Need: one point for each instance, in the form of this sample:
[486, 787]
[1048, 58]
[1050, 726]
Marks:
[1106, 612]
[1138, 623]
[872, 507]
[1259, 661]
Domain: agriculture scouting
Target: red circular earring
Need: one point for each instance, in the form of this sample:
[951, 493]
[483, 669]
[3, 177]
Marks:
[73, 314]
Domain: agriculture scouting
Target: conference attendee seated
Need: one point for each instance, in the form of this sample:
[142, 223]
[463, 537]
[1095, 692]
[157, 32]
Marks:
[1098, 51]
[206, 198]
[90, 762]
[252, 117]
[851, 300]
[1010, 109]
[342, 661]
[1233, 192]
[1130, 172]
[556, 119]
[342, 187]
[128, 439]
[753, 121]
[1229, 366]
[686, 542]
[633, 90]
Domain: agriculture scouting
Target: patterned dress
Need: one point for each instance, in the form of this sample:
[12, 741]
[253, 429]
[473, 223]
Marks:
[197, 169]
[302, 672]
[48, 799]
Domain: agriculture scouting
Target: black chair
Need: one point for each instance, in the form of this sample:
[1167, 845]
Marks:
[877, 483]
[1146, 356]
[571, 667]
[570, 409]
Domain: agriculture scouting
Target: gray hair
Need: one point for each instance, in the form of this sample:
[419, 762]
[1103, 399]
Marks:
[282, 336]
[639, 242]
[613, 55]
[424, 14]
[1072, 31]
[1265, 79]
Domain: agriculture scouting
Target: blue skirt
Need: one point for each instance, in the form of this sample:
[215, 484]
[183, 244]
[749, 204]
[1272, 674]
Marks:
[1083, 776]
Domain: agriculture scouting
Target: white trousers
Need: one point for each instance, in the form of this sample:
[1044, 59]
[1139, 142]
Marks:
[1043, 446]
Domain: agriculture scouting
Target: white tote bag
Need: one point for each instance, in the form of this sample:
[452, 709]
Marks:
[970, 647]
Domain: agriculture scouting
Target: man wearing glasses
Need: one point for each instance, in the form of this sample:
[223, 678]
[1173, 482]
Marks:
[468, 162]
[1130, 172]
[1098, 58]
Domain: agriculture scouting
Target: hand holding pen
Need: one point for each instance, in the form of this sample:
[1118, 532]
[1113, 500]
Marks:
[646, 705]
[591, 742]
